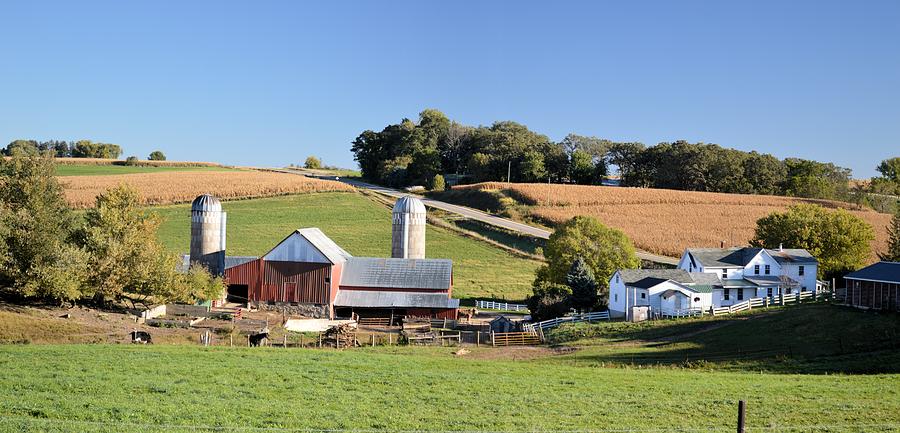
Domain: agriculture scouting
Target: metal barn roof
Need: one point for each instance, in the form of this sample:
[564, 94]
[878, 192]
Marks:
[308, 245]
[232, 261]
[734, 257]
[435, 274]
[376, 299]
[881, 271]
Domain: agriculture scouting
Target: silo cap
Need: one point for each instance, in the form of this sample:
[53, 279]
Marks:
[409, 204]
[206, 203]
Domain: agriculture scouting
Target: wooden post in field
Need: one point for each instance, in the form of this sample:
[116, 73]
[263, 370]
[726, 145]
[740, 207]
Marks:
[320, 339]
[248, 340]
[493, 344]
[767, 301]
[231, 340]
[390, 339]
[742, 415]
[477, 338]
[373, 340]
[301, 340]
[781, 298]
[285, 341]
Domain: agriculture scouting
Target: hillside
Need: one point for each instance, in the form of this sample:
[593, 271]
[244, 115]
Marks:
[657, 220]
[815, 338]
[362, 226]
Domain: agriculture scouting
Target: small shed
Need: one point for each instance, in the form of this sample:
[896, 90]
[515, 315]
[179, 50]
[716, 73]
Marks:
[504, 324]
[875, 287]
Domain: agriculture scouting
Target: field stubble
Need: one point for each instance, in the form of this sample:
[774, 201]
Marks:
[668, 221]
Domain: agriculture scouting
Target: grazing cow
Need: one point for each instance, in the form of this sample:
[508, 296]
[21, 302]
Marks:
[259, 338]
[141, 337]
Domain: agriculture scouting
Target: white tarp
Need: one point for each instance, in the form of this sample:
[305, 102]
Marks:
[314, 325]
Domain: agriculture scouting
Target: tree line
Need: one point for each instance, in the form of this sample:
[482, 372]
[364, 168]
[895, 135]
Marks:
[49, 253]
[64, 149]
[413, 153]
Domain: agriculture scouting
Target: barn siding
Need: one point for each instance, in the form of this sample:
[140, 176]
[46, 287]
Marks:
[241, 274]
[293, 282]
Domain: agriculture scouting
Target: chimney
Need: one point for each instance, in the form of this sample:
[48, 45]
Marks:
[780, 247]
[722, 244]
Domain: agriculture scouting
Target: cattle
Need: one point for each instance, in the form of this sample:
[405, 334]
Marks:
[258, 339]
[141, 337]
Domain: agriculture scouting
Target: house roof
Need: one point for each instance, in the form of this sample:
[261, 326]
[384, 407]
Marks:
[380, 299]
[647, 278]
[739, 257]
[434, 274]
[881, 271]
[771, 280]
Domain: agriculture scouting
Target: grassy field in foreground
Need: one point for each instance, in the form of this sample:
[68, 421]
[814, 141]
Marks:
[813, 338]
[101, 170]
[363, 228]
[130, 388]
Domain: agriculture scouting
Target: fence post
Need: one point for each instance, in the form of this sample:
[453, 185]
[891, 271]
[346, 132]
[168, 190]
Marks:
[493, 344]
[742, 415]
[477, 338]
[767, 301]
[781, 298]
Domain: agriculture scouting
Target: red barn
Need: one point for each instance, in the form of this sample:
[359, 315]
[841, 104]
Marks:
[307, 272]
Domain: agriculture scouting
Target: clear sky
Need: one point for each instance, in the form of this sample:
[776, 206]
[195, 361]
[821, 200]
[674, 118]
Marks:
[268, 83]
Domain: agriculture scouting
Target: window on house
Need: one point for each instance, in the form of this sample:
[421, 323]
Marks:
[769, 292]
[643, 296]
[727, 294]
[696, 299]
[724, 273]
[803, 289]
[800, 271]
[756, 269]
[788, 291]
[767, 269]
[616, 297]
[617, 278]
[740, 294]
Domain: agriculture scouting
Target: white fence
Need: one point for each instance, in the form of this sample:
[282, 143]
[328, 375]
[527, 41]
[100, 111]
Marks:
[575, 318]
[490, 305]
[795, 298]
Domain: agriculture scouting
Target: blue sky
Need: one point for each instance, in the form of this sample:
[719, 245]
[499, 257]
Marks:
[267, 83]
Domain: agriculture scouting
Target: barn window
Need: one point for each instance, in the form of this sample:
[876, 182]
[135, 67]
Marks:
[800, 271]
[727, 294]
[767, 269]
[697, 299]
[756, 269]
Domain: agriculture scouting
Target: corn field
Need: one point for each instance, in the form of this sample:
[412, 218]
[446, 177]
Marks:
[668, 221]
[181, 187]
[142, 163]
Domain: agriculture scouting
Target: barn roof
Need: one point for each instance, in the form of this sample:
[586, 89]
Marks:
[881, 271]
[435, 274]
[232, 261]
[378, 299]
[308, 245]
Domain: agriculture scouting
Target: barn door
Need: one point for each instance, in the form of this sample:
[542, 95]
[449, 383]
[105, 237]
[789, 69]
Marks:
[289, 292]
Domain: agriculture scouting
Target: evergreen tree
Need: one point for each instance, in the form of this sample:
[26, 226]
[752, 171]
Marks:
[893, 252]
[583, 284]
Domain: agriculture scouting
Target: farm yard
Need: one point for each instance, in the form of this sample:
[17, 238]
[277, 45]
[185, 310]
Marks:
[362, 226]
[191, 388]
[183, 186]
[657, 220]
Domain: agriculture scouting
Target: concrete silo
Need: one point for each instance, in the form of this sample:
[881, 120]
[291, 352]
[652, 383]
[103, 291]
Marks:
[208, 233]
[408, 231]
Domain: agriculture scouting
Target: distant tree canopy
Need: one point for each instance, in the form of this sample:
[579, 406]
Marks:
[893, 250]
[312, 163]
[157, 155]
[838, 239]
[413, 152]
[64, 149]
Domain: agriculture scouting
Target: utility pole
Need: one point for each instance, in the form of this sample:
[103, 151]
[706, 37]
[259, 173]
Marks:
[508, 172]
[548, 189]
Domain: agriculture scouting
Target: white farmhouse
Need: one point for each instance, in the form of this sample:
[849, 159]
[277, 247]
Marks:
[753, 272]
[712, 277]
[664, 291]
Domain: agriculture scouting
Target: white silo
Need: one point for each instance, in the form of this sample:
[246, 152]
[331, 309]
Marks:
[408, 230]
[208, 233]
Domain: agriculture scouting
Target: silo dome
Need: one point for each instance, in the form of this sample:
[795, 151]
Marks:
[208, 233]
[206, 203]
[408, 229]
[409, 204]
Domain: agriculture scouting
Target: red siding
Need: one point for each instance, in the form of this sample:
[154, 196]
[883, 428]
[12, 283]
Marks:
[291, 282]
[242, 274]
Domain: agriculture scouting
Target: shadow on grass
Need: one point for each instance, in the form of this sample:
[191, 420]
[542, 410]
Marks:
[813, 339]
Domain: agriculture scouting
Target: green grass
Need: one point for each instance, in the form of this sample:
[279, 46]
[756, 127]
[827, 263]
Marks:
[817, 338]
[104, 170]
[363, 228]
[130, 388]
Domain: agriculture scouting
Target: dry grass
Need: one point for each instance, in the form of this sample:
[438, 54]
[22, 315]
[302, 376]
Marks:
[668, 221]
[180, 187]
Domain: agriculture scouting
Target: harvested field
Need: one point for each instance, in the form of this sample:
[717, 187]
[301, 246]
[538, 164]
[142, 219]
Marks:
[180, 187]
[667, 221]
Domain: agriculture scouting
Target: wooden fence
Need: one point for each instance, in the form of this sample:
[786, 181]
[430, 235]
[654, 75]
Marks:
[794, 298]
[575, 318]
[515, 339]
[491, 305]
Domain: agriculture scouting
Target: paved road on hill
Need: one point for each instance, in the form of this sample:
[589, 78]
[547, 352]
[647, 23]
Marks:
[482, 216]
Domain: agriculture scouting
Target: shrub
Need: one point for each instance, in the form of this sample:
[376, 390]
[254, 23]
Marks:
[313, 163]
[437, 183]
[157, 155]
[131, 160]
